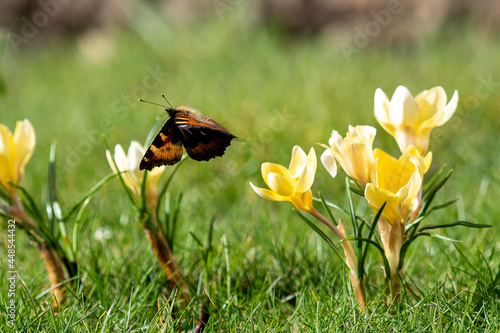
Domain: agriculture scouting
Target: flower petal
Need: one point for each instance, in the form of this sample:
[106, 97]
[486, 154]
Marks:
[280, 184]
[24, 143]
[449, 109]
[121, 158]
[431, 102]
[267, 194]
[311, 160]
[110, 161]
[306, 179]
[299, 159]
[329, 163]
[376, 197]
[267, 168]
[381, 110]
[403, 109]
[134, 155]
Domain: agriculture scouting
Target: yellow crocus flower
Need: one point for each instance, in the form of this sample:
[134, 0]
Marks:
[354, 153]
[15, 152]
[128, 164]
[410, 120]
[397, 182]
[292, 184]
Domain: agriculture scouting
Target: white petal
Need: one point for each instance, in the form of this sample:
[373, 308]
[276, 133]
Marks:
[121, 158]
[134, 155]
[381, 106]
[329, 163]
[403, 109]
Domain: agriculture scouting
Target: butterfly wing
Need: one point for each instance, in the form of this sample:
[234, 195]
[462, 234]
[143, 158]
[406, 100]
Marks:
[203, 139]
[166, 148]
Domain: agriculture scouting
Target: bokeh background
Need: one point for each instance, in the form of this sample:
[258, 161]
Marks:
[276, 73]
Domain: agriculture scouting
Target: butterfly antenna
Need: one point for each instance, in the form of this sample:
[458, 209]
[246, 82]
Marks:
[162, 95]
[163, 106]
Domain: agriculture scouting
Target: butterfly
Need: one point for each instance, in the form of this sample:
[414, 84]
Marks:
[202, 137]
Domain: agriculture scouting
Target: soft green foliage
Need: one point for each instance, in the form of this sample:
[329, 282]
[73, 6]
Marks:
[273, 93]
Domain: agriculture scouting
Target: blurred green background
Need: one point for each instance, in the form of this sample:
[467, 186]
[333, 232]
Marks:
[276, 76]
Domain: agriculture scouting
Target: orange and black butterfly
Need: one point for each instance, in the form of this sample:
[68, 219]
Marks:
[202, 137]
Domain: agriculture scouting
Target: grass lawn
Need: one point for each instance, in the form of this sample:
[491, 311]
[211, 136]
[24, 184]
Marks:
[267, 270]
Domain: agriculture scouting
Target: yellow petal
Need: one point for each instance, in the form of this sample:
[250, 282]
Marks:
[6, 153]
[411, 189]
[311, 160]
[379, 153]
[443, 114]
[377, 197]
[431, 102]
[299, 159]
[267, 194]
[267, 168]
[24, 142]
[280, 184]
[305, 181]
[427, 161]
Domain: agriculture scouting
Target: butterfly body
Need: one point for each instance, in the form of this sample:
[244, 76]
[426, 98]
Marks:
[202, 137]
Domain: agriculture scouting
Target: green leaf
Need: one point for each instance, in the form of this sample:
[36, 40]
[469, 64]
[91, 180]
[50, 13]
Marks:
[171, 217]
[142, 202]
[352, 211]
[196, 239]
[90, 193]
[54, 213]
[208, 247]
[357, 232]
[4, 195]
[31, 206]
[164, 189]
[457, 223]
[331, 204]
[327, 209]
[153, 132]
[370, 234]
[433, 180]
[54, 207]
[405, 246]
[428, 197]
[320, 232]
[441, 206]
[83, 205]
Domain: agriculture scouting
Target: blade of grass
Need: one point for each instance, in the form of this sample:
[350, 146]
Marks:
[320, 232]
[457, 223]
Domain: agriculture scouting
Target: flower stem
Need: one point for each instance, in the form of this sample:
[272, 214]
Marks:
[164, 254]
[55, 272]
[351, 259]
